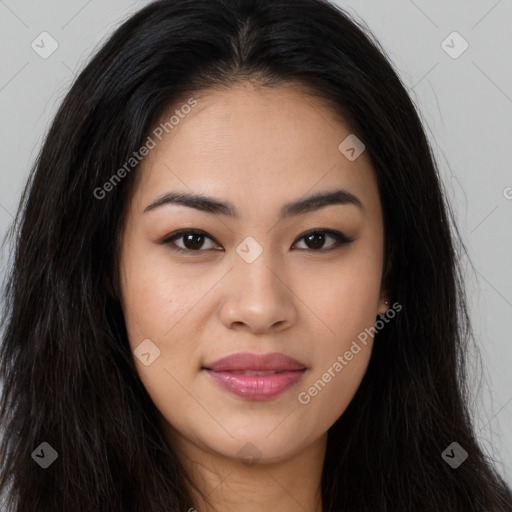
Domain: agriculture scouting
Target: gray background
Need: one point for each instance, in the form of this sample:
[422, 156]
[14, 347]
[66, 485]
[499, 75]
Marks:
[465, 102]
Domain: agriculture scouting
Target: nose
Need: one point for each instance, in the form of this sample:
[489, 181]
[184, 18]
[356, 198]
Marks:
[258, 297]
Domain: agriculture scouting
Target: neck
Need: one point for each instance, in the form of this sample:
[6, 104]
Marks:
[229, 485]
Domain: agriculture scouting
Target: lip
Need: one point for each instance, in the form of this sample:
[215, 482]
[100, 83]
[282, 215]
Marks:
[245, 361]
[227, 373]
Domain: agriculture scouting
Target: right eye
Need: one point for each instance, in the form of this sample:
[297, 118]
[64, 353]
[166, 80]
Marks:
[193, 240]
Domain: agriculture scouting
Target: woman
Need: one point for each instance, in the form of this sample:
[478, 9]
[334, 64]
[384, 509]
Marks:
[235, 283]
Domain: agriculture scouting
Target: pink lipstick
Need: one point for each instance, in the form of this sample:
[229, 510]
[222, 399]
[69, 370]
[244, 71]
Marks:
[256, 376]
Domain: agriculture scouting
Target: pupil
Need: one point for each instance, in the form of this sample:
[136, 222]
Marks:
[320, 238]
[195, 239]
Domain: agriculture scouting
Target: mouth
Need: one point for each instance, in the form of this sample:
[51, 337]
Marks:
[255, 376]
[256, 372]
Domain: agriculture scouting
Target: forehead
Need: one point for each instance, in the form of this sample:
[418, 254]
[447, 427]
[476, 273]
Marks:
[253, 144]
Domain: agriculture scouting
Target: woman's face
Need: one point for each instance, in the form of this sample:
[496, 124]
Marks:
[254, 281]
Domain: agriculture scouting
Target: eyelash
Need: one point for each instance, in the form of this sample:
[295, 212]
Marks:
[341, 240]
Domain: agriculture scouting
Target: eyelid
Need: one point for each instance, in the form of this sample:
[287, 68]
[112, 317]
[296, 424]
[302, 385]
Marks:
[168, 240]
[339, 236]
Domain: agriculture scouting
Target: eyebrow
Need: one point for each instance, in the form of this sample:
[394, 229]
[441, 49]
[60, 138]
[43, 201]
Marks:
[217, 207]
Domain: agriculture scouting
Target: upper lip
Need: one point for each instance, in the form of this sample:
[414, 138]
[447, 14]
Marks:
[255, 362]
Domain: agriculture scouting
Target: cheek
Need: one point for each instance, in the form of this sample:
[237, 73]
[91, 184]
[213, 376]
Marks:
[347, 305]
[156, 302]
[345, 297]
[153, 296]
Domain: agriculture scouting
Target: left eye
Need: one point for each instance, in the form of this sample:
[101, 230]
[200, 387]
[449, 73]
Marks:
[317, 238]
[193, 240]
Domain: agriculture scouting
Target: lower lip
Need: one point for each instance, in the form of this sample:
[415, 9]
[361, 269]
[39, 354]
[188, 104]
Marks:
[256, 387]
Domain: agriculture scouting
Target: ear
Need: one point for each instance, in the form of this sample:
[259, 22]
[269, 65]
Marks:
[383, 307]
[385, 286]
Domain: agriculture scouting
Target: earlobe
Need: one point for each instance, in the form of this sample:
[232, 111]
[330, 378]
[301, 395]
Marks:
[383, 307]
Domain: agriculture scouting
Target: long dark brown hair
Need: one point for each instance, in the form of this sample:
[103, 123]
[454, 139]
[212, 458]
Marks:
[67, 371]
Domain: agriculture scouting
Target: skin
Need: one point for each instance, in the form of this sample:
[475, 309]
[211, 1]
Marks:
[203, 305]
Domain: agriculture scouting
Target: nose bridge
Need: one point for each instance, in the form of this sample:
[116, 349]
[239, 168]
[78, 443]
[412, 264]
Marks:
[256, 267]
[256, 294]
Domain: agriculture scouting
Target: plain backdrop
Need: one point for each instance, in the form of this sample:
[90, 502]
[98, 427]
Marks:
[464, 98]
